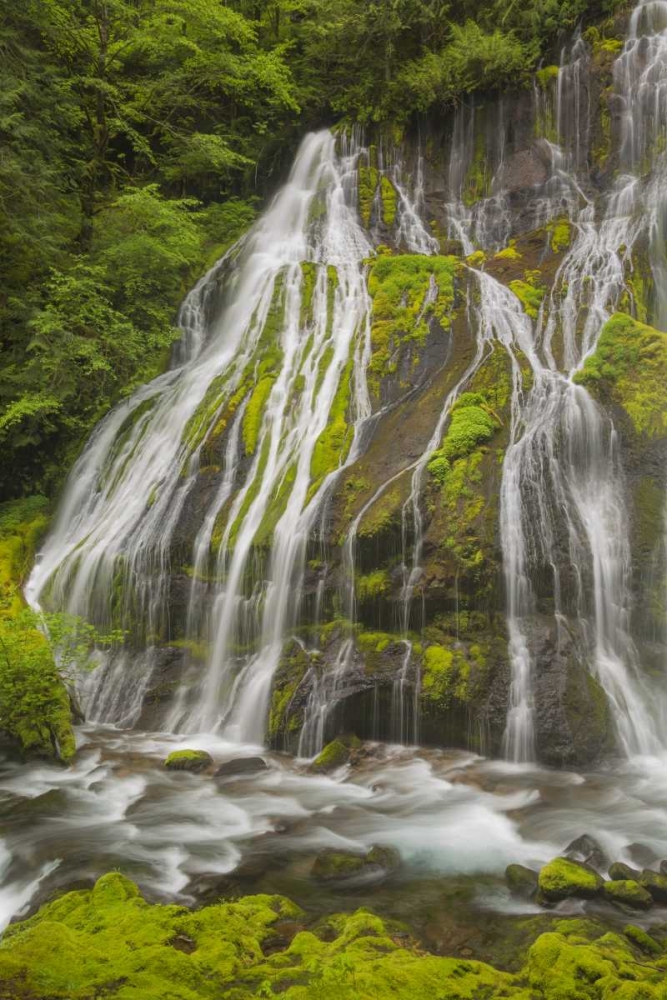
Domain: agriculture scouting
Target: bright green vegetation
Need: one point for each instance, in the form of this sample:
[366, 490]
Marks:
[529, 294]
[629, 368]
[34, 704]
[334, 755]
[107, 941]
[628, 893]
[562, 878]
[252, 418]
[399, 287]
[332, 865]
[368, 178]
[545, 76]
[285, 720]
[561, 235]
[374, 584]
[333, 444]
[389, 201]
[187, 760]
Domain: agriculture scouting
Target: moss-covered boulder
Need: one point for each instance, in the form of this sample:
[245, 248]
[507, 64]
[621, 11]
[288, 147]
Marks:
[655, 884]
[622, 872]
[521, 881]
[334, 755]
[188, 760]
[338, 866]
[628, 893]
[562, 878]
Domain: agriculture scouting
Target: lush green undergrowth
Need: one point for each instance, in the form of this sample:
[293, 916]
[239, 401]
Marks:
[108, 942]
[34, 705]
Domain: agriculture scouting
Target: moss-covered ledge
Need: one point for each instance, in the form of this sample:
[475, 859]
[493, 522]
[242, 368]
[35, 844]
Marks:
[108, 941]
[35, 711]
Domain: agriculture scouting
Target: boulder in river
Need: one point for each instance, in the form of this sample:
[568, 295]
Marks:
[621, 872]
[587, 850]
[335, 754]
[188, 760]
[522, 881]
[338, 866]
[241, 767]
[641, 855]
[628, 893]
[656, 884]
[563, 878]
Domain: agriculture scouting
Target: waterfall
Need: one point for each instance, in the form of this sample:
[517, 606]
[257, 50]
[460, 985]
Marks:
[204, 489]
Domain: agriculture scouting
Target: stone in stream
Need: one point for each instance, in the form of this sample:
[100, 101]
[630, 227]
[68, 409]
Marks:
[563, 878]
[656, 884]
[240, 767]
[641, 855]
[587, 850]
[188, 760]
[335, 754]
[522, 881]
[628, 893]
[339, 866]
[663, 867]
[621, 872]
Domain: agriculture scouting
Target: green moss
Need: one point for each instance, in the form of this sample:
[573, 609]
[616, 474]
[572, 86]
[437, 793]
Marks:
[34, 704]
[628, 893]
[285, 718]
[108, 942]
[333, 444]
[445, 675]
[477, 183]
[529, 295]
[332, 865]
[389, 200]
[368, 179]
[187, 760]
[561, 235]
[629, 368]
[546, 75]
[476, 259]
[334, 755]
[399, 287]
[642, 940]
[252, 418]
[562, 878]
[370, 585]
[509, 253]
[308, 282]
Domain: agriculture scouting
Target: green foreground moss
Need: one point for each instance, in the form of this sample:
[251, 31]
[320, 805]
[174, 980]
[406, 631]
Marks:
[35, 709]
[107, 941]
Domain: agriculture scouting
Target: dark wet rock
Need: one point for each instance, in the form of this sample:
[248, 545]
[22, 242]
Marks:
[588, 850]
[387, 858]
[663, 867]
[521, 881]
[525, 169]
[241, 766]
[338, 866]
[641, 855]
[621, 872]
[334, 866]
[563, 878]
[656, 884]
[188, 760]
[627, 892]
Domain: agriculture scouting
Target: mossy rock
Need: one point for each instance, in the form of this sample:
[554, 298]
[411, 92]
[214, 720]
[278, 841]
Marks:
[644, 941]
[628, 893]
[332, 866]
[622, 872]
[521, 881]
[563, 878]
[188, 760]
[655, 884]
[334, 755]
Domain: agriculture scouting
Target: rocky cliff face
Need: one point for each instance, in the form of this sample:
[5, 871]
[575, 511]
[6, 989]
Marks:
[413, 501]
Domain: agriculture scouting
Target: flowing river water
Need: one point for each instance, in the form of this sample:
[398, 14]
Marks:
[107, 557]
